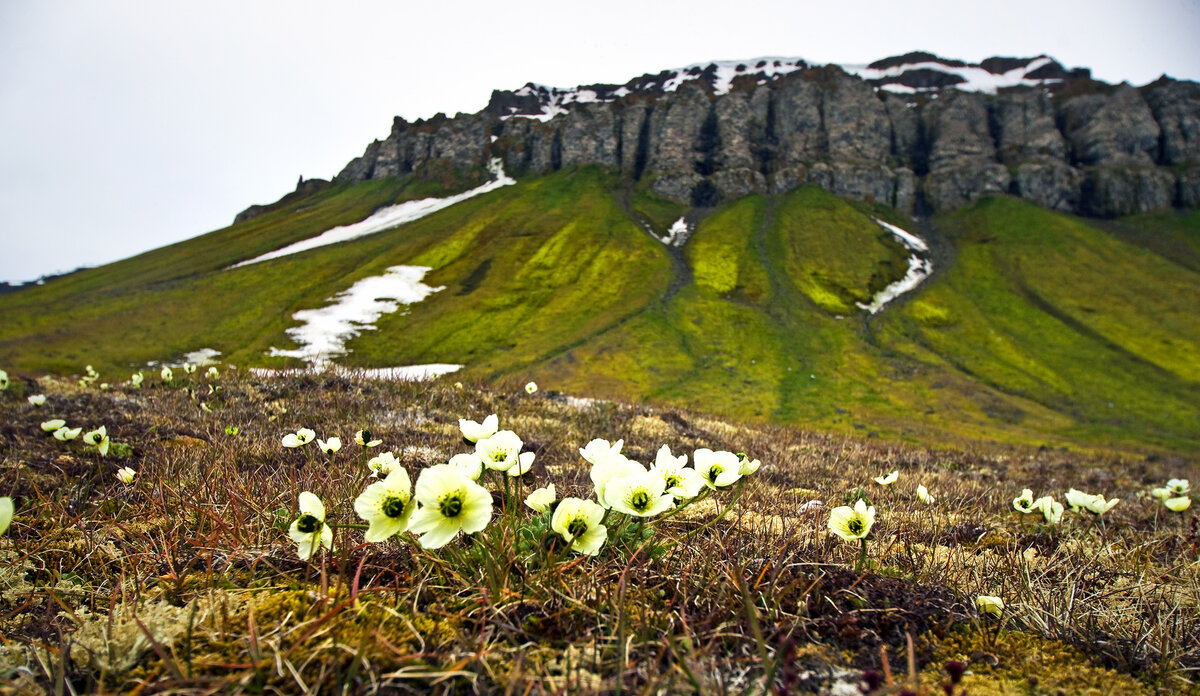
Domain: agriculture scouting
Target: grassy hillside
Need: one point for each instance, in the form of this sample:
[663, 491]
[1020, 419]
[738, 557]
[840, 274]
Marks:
[1035, 328]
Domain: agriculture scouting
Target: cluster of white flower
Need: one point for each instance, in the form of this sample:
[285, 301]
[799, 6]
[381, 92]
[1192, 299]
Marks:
[3, 380]
[1174, 495]
[1094, 503]
[91, 377]
[1051, 509]
[448, 498]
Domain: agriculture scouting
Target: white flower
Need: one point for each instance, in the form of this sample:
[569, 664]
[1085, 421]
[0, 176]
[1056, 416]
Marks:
[363, 438]
[3, 380]
[136, 379]
[98, 438]
[1161, 493]
[500, 451]
[598, 449]
[189, 368]
[125, 475]
[746, 466]
[103, 385]
[204, 407]
[6, 513]
[1099, 505]
[988, 604]
[386, 506]
[681, 482]
[887, 479]
[577, 521]
[474, 432]
[331, 446]
[36, 399]
[52, 425]
[300, 438]
[1179, 486]
[614, 465]
[309, 531]
[65, 434]
[384, 464]
[524, 461]
[717, 469]
[212, 373]
[531, 388]
[923, 495]
[542, 498]
[1078, 500]
[166, 374]
[1051, 509]
[450, 502]
[851, 523]
[469, 464]
[641, 495]
[1024, 502]
[1178, 504]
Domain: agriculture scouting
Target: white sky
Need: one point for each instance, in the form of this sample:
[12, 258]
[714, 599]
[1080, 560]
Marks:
[129, 124]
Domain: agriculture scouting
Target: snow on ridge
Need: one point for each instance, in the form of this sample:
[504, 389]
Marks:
[324, 332]
[918, 269]
[387, 218]
[555, 99]
[977, 78]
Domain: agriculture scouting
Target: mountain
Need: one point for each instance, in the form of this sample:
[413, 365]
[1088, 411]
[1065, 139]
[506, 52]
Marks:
[739, 240]
[916, 132]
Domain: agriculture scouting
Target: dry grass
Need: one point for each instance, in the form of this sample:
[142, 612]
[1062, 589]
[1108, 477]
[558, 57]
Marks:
[186, 582]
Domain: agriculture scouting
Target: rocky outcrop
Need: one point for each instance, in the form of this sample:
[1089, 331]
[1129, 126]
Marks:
[304, 187]
[887, 133]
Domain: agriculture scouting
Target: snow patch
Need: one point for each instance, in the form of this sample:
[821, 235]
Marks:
[918, 269]
[677, 234]
[387, 218]
[324, 332]
[201, 358]
[405, 373]
[976, 78]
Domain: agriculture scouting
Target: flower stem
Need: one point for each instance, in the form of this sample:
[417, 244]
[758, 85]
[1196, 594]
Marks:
[862, 556]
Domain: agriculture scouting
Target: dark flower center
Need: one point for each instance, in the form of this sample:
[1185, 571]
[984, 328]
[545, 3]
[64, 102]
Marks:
[855, 526]
[1024, 503]
[450, 506]
[640, 500]
[393, 507]
[366, 436]
[308, 524]
[577, 528]
[714, 471]
[672, 481]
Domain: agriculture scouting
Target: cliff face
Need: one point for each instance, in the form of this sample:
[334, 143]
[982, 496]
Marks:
[915, 132]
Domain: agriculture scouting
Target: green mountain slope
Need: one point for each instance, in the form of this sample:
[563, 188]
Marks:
[1035, 328]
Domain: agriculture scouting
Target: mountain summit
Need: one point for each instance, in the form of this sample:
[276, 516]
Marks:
[916, 132]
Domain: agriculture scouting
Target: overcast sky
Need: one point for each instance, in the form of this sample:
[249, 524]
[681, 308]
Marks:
[127, 125]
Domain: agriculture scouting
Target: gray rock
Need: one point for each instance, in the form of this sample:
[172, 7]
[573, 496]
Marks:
[1110, 192]
[855, 121]
[1176, 107]
[950, 188]
[957, 128]
[873, 183]
[676, 186]
[1053, 185]
[1025, 127]
[1116, 129]
[735, 183]
[787, 178]
[798, 122]
[904, 115]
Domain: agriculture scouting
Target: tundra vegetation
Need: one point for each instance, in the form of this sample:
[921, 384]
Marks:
[169, 562]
